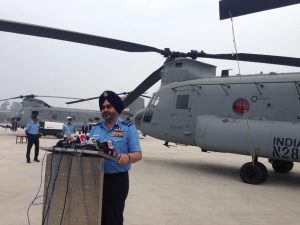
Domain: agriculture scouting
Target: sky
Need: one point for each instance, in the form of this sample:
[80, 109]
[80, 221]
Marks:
[40, 66]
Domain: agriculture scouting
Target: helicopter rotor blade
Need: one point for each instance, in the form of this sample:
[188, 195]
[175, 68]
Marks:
[59, 34]
[92, 98]
[33, 96]
[82, 100]
[145, 96]
[144, 86]
[233, 8]
[21, 96]
[9, 98]
[87, 99]
[127, 93]
[50, 96]
[258, 58]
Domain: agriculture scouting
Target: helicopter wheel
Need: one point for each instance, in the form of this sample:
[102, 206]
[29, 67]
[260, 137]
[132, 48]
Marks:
[253, 174]
[281, 166]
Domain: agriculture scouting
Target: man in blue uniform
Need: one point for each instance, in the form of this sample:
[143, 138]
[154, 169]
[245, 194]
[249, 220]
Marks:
[122, 137]
[32, 133]
[69, 128]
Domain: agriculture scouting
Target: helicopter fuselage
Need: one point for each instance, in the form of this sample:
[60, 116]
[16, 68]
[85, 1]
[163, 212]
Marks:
[254, 114]
[56, 114]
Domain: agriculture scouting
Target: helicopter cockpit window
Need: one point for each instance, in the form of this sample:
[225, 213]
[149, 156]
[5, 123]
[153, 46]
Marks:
[154, 101]
[182, 102]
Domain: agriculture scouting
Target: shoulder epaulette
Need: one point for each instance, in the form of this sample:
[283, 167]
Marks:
[98, 124]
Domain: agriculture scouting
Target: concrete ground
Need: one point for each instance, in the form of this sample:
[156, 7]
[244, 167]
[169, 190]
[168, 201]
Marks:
[179, 185]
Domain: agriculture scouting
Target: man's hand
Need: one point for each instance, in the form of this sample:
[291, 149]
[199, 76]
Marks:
[124, 159]
[131, 157]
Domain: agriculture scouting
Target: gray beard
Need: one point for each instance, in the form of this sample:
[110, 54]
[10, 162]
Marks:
[107, 116]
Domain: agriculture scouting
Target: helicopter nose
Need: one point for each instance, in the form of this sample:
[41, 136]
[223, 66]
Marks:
[138, 118]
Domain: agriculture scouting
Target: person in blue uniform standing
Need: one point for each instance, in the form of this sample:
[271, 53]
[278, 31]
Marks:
[69, 129]
[33, 136]
[123, 137]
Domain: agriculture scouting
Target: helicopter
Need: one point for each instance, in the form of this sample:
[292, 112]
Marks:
[32, 105]
[255, 115]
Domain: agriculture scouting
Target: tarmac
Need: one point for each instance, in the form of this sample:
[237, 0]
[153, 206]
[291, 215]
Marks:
[170, 186]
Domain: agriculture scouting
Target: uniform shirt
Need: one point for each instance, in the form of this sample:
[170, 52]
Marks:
[124, 138]
[69, 129]
[32, 127]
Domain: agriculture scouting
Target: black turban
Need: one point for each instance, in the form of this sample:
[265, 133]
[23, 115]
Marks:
[113, 99]
[34, 114]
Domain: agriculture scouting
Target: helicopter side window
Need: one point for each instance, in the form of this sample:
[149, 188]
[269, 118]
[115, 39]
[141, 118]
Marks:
[147, 116]
[182, 102]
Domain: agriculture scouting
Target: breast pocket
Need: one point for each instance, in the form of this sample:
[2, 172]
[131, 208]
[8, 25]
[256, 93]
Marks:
[119, 143]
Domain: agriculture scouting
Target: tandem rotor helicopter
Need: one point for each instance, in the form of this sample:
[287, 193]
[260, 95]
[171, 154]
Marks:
[255, 115]
[30, 104]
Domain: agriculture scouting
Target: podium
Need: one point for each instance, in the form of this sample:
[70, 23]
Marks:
[73, 189]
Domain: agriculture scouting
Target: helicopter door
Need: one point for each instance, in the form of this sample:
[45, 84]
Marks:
[181, 122]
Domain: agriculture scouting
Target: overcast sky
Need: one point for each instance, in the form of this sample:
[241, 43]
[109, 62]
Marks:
[33, 65]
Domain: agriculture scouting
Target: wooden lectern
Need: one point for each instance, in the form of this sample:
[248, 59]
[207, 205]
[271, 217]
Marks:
[73, 189]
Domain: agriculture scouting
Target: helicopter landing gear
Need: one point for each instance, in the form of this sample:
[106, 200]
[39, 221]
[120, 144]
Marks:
[281, 166]
[253, 172]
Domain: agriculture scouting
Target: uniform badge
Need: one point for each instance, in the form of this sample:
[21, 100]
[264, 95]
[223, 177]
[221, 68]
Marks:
[117, 134]
[119, 129]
